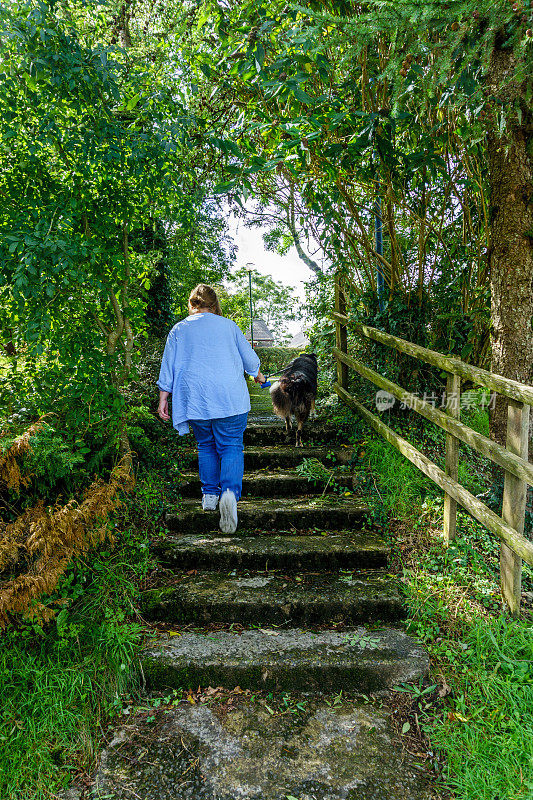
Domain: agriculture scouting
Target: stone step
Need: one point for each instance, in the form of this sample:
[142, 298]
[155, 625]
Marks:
[281, 456]
[260, 483]
[335, 550]
[297, 514]
[313, 748]
[273, 432]
[306, 599]
[358, 660]
[260, 401]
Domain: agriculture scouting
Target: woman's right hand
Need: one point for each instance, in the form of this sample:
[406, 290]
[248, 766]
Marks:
[162, 409]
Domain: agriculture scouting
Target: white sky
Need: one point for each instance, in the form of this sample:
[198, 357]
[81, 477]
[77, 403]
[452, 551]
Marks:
[288, 269]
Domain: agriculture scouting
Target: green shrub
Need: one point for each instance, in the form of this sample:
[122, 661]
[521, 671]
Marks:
[274, 359]
[54, 462]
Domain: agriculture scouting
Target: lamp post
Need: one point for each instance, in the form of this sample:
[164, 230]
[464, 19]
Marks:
[250, 264]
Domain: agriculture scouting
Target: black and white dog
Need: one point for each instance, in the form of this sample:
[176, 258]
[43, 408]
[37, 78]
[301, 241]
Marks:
[295, 392]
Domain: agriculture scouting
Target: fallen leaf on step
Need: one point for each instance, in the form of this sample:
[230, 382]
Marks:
[269, 633]
[212, 691]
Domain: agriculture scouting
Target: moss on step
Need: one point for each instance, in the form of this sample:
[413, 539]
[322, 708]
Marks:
[274, 513]
[358, 660]
[215, 596]
[269, 433]
[273, 483]
[343, 550]
[280, 455]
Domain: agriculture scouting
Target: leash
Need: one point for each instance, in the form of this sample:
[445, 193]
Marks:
[267, 384]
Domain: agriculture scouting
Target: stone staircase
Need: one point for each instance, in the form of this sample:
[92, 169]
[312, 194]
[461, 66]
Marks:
[308, 568]
[299, 599]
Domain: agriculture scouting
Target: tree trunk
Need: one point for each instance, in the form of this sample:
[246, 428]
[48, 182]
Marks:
[511, 248]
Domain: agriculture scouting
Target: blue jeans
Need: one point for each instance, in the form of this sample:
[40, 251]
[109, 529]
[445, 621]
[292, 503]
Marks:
[220, 453]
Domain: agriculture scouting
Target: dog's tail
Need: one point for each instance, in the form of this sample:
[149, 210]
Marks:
[280, 400]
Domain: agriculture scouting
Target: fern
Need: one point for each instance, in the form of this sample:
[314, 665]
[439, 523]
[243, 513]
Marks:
[50, 459]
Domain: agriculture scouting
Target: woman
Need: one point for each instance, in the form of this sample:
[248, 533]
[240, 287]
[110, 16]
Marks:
[203, 367]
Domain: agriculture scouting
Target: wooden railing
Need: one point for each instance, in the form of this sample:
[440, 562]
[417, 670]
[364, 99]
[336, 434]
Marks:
[513, 458]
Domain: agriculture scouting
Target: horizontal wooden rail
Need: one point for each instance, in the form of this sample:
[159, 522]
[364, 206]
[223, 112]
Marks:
[487, 447]
[497, 383]
[516, 541]
[514, 546]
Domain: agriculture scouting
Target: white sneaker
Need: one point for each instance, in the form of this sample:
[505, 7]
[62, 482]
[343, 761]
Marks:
[209, 502]
[228, 512]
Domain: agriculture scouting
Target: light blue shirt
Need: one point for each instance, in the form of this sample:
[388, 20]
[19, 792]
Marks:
[203, 366]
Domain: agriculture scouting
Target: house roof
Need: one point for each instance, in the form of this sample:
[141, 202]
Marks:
[261, 331]
[299, 340]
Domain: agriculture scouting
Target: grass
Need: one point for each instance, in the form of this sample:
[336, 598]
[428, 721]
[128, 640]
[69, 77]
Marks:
[399, 485]
[475, 716]
[55, 698]
[484, 726]
[488, 733]
[62, 686]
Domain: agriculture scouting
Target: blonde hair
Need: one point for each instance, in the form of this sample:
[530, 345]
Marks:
[204, 296]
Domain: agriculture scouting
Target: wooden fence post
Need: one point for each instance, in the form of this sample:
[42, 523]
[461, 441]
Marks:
[453, 408]
[514, 505]
[341, 332]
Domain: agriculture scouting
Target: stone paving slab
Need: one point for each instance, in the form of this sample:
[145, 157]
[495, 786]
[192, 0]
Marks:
[334, 550]
[297, 513]
[315, 599]
[196, 752]
[359, 660]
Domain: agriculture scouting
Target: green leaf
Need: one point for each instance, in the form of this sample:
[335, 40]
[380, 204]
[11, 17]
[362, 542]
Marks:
[302, 96]
[223, 187]
[31, 83]
[259, 55]
[406, 727]
[132, 102]
[203, 17]
[234, 149]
